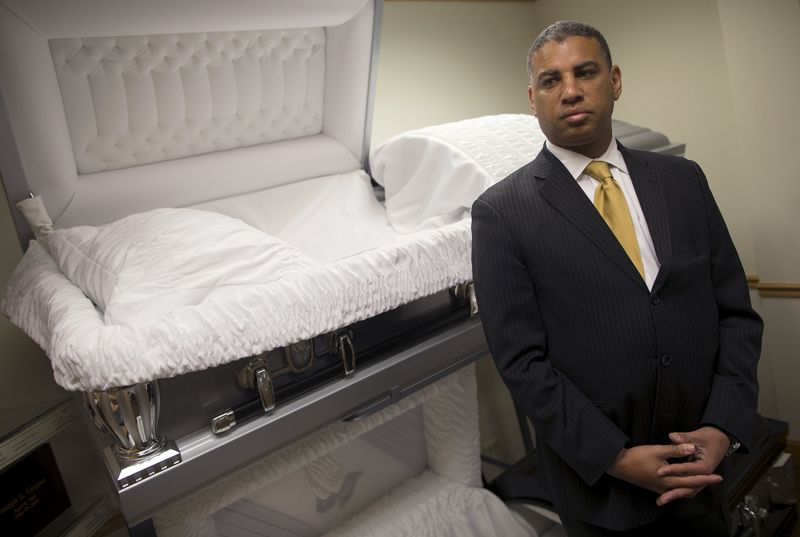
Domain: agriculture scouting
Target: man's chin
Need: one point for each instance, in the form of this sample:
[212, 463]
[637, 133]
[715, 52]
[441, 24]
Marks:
[582, 140]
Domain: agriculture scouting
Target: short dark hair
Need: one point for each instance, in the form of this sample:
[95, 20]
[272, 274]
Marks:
[560, 31]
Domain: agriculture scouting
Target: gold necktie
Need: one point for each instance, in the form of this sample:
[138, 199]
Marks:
[610, 202]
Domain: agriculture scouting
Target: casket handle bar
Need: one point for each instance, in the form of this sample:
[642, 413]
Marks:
[257, 375]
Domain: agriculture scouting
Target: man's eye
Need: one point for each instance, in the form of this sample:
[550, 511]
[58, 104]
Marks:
[548, 82]
[585, 73]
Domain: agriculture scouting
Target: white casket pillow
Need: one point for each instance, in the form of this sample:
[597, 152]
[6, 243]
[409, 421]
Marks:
[433, 175]
[148, 264]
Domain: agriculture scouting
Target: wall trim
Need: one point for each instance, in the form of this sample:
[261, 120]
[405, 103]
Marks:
[774, 289]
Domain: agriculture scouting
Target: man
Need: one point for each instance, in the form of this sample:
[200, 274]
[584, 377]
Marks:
[616, 309]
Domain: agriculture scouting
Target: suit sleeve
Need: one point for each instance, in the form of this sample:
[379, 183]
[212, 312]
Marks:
[563, 416]
[733, 399]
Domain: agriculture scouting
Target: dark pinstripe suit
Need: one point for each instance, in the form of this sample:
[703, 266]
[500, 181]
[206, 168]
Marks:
[596, 360]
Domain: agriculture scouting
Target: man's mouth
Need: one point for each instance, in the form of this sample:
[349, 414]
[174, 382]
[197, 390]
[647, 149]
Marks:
[575, 116]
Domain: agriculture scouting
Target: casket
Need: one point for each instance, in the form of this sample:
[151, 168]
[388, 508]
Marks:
[219, 266]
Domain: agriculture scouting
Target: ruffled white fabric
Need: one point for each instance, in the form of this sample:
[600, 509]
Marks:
[86, 353]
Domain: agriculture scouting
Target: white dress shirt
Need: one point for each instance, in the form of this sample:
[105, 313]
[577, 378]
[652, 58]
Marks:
[576, 163]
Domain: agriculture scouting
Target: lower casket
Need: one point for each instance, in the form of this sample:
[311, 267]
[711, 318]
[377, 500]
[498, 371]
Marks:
[419, 458]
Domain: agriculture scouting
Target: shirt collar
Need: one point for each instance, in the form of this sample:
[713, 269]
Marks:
[575, 163]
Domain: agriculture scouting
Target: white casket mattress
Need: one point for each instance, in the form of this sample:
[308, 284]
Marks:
[352, 263]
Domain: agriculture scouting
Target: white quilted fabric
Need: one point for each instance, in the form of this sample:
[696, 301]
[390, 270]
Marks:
[143, 99]
[432, 175]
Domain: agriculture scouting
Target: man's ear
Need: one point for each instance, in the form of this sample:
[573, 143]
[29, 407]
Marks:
[616, 81]
[530, 100]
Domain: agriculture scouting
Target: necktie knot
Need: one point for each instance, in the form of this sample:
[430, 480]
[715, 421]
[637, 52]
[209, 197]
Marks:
[599, 170]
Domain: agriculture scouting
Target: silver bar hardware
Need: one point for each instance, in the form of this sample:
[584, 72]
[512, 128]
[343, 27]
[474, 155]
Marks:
[473, 300]
[266, 392]
[467, 290]
[345, 350]
[255, 376]
[223, 422]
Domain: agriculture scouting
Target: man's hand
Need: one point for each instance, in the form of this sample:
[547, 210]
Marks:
[642, 466]
[710, 445]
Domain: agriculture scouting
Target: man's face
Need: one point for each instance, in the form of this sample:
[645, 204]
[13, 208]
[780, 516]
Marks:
[573, 93]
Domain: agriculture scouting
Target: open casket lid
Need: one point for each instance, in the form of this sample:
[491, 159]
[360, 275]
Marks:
[218, 99]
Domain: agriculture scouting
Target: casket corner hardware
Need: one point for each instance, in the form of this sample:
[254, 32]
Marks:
[129, 414]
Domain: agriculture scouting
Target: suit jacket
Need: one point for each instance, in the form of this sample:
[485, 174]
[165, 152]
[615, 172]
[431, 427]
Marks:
[598, 361]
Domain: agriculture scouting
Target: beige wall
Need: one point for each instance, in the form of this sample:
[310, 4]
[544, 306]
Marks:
[762, 47]
[445, 61]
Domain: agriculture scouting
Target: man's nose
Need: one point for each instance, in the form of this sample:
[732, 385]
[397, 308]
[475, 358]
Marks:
[570, 90]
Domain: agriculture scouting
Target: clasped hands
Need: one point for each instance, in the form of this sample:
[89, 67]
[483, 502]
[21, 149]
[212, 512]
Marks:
[648, 466]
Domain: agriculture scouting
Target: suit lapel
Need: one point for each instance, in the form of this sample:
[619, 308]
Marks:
[650, 191]
[561, 190]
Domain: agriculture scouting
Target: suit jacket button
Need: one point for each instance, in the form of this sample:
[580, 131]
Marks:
[666, 361]
[656, 300]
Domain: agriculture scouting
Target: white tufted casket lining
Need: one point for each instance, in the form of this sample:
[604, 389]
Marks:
[143, 99]
[110, 109]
